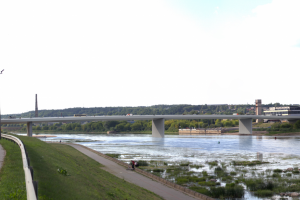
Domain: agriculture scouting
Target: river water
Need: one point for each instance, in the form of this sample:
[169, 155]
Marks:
[282, 152]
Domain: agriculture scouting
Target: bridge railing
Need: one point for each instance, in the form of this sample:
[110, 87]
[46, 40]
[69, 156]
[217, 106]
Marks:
[31, 186]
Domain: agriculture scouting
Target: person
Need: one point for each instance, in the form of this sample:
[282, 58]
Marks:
[59, 141]
[132, 164]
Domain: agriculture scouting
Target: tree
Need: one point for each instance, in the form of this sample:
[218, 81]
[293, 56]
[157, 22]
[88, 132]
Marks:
[297, 125]
[137, 126]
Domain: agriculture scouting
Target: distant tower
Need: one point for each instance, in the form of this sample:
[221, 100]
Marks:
[36, 107]
[258, 109]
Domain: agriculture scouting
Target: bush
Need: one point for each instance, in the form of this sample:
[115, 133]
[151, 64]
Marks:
[263, 193]
[232, 173]
[158, 170]
[234, 191]
[184, 164]
[297, 125]
[209, 183]
[286, 125]
[204, 173]
[258, 184]
[201, 190]
[143, 163]
[181, 180]
[214, 163]
[277, 170]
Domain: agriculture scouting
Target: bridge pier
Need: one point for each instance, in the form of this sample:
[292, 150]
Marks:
[245, 126]
[29, 129]
[158, 128]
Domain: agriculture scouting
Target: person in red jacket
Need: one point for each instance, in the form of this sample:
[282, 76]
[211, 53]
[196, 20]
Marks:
[132, 164]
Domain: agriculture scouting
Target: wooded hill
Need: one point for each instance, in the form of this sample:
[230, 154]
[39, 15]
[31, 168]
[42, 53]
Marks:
[151, 110]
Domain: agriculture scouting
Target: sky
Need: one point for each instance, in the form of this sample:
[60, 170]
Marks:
[98, 53]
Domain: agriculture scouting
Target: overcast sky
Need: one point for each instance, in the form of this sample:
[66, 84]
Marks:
[140, 53]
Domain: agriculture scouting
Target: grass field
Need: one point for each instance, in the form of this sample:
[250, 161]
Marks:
[80, 177]
[12, 178]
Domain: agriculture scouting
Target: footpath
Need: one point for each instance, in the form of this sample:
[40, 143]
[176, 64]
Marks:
[134, 177]
[2, 156]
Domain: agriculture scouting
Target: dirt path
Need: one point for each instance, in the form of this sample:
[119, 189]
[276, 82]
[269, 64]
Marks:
[135, 178]
[2, 156]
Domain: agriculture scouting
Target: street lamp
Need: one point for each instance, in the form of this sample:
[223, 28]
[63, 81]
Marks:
[0, 114]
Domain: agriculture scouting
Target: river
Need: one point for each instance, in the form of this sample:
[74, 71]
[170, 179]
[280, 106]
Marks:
[282, 152]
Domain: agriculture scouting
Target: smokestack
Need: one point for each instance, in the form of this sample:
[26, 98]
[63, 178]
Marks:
[258, 109]
[36, 107]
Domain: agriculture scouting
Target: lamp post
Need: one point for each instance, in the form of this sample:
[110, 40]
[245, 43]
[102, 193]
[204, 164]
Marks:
[0, 114]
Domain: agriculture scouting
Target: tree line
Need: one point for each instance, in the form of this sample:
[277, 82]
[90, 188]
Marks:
[126, 126]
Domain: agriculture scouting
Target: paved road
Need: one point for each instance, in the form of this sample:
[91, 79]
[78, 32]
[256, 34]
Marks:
[2, 155]
[135, 178]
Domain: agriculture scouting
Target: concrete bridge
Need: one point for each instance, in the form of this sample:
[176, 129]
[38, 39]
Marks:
[158, 127]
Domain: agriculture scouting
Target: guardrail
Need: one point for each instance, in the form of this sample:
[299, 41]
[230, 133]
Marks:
[31, 185]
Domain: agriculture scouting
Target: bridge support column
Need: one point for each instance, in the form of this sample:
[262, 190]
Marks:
[245, 126]
[158, 128]
[29, 129]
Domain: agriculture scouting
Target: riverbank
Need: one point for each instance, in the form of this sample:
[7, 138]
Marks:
[63, 173]
[12, 175]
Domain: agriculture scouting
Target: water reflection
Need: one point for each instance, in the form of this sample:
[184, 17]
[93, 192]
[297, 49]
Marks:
[245, 142]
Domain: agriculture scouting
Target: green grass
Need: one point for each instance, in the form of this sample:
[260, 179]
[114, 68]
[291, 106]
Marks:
[85, 179]
[113, 155]
[12, 178]
[249, 163]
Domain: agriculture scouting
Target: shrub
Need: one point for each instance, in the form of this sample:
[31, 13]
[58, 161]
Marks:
[295, 172]
[277, 170]
[209, 183]
[234, 191]
[113, 155]
[184, 164]
[158, 170]
[201, 190]
[143, 163]
[286, 125]
[297, 125]
[214, 163]
[217, 192]
[181, 180]
[62, 171]
[263, 193]
[196, 179]
[204, 173]
[258, 184]
[232, 173]
[275, 175]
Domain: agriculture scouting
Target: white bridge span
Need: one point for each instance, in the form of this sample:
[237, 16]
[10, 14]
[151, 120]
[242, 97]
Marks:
[158, 127]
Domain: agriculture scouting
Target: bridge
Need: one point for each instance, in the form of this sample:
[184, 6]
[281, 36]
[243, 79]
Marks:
[158, 127]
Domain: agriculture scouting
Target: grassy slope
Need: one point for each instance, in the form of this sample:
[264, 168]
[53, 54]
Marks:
[12, 178]
[86, 181]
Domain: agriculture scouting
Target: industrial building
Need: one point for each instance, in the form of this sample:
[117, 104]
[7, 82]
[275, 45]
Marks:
[282, 111]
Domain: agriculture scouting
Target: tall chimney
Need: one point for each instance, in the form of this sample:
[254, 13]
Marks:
[258, 109]
[36, 107]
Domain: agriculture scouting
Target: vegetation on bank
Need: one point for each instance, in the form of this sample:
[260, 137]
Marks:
[133, 126]
[65, 173]
[225, 180]
[12, 177]
[277, 128]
